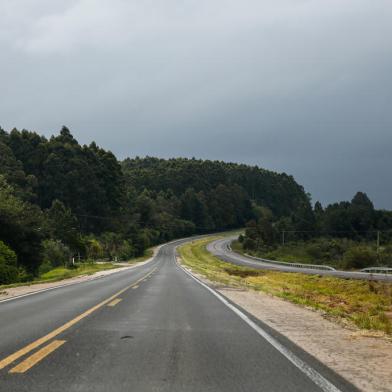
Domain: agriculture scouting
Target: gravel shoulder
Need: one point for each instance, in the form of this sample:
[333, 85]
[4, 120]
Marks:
[364, 358]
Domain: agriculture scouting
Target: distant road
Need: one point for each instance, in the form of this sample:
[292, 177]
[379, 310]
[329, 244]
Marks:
[221, 248]
[150, 328]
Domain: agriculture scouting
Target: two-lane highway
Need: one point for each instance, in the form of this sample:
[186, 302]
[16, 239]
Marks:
[152, 328]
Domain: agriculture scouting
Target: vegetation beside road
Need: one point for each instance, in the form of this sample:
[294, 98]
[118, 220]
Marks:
[347, 235]
[61, 200]
[69, 271]
[61, 273]
[368, 305]
[340, 253]
[148, 253]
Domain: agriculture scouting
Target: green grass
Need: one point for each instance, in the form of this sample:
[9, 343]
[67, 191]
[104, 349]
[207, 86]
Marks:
[61, 273]
[368, 305]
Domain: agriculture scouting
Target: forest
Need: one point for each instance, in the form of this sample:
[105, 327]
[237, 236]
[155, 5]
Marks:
[60, 201]
[346, 235]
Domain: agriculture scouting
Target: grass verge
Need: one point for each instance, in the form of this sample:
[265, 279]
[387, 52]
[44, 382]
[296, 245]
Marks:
[61, 273]
[368, 305]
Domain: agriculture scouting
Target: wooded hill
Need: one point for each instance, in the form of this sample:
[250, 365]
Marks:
[59, 199]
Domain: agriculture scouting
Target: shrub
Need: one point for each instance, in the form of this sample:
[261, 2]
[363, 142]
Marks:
[8, 274]
[7, 255]
[45, 267]
[360, 257]
[55, 253]
[315, 251]
[8, 268]
[126, 251]
[249, 244]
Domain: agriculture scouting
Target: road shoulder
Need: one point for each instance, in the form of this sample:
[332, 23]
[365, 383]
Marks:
[363, 359]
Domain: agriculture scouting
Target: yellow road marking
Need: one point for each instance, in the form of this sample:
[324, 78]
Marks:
[135, 287]
[16, 355]
[37, 357]
[114, 302]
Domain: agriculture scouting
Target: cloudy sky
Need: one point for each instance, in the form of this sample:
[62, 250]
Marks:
[301, 86]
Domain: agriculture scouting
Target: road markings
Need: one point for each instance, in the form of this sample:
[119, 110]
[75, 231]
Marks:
[314, 375]
[25, 350]
[37, 357]
[115, 302]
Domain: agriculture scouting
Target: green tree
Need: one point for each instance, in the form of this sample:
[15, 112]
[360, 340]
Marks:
[8, 266]
[55, 253]
[21, 227]
[63, 225]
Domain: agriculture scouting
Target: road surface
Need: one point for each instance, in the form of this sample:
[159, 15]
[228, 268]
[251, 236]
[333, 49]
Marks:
[151, 328]
[221, 248]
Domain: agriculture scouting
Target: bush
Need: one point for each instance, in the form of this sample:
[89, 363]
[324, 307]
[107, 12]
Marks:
[8, 274]
[8, 269]
[7, 255]
[249, 244]
[45, 267]
[126, 251]
[24, 276]
[315, 251]
[360, 257]
[95, 250]
[55, 253]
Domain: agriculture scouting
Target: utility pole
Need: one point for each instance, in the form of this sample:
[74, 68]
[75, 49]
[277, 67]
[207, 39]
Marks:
[283, 239]
[378, 241]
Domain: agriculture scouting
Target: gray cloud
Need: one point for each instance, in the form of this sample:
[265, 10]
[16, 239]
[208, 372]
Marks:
[301, 86]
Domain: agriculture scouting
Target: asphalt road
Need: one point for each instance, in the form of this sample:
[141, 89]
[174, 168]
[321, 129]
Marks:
[221, 248]
[152, 328]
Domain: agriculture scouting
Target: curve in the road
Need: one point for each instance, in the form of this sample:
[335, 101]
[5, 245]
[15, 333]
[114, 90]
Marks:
[221, 248]
[164, 331]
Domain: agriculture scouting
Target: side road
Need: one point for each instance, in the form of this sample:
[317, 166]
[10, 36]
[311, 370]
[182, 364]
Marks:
[221, 248]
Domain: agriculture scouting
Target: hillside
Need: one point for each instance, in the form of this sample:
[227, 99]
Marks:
[59, 199]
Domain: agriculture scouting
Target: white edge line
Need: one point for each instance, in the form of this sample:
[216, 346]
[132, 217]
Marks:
[72, 283]
[315, 376]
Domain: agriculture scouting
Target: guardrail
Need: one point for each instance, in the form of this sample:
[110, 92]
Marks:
[377, 270]
[288, 264]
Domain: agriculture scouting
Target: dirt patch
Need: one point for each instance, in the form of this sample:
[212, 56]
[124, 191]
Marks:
[362, 357]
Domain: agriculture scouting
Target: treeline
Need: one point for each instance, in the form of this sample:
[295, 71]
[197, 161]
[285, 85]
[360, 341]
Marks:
[349, 234]
[60, 200]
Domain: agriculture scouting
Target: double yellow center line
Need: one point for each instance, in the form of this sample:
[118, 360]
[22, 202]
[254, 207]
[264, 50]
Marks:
[51, 347]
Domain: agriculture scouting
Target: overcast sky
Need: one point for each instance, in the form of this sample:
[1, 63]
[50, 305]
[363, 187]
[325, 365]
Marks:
[300, 86]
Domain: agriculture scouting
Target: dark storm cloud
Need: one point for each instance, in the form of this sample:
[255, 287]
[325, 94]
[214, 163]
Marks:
[297, 86]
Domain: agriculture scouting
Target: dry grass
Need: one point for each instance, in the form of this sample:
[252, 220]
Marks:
[368, 305]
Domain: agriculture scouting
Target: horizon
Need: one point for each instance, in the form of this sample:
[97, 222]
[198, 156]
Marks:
[313, 201]
[292, 86]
